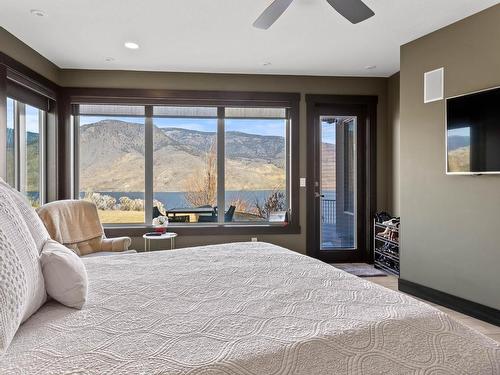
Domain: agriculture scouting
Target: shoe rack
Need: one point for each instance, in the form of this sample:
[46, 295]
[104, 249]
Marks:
[386, 247]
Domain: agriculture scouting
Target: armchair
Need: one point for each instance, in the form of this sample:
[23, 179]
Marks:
[76, 225]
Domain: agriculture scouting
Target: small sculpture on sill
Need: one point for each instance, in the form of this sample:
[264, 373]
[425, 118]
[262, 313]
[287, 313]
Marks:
[160, 222]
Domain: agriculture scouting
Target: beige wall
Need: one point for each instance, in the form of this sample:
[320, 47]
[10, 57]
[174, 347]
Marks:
[450, 224]
[19, 51]
[393, 134]
[182, 81]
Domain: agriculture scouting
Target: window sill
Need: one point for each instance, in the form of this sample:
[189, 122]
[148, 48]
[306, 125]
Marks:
[203, 230]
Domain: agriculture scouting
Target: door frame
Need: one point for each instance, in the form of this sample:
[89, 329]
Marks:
[367, 105]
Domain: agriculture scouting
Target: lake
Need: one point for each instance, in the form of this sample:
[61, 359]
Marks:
[177, 199]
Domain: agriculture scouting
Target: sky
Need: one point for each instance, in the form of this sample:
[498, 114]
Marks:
[258, 127]
[31, 117]
[461, 132]
[268, 127]
[327, 133]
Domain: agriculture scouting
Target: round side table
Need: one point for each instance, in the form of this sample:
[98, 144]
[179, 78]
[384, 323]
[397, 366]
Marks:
[165, 236]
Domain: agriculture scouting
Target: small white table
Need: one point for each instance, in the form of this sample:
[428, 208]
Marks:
[165, 236]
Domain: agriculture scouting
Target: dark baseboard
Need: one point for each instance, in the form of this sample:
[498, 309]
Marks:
[476, 310]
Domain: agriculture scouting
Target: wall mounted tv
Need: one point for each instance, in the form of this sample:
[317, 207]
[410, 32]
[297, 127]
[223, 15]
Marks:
[473, 133]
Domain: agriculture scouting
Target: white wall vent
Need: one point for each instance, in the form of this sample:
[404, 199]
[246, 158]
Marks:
[434, 85]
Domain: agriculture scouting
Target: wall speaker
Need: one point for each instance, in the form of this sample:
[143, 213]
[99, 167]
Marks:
[434, 85]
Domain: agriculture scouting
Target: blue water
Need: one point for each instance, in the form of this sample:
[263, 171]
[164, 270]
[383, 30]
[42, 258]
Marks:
[177, 199]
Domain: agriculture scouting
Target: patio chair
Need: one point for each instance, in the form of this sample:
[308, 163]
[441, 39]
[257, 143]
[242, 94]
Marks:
[228, 216]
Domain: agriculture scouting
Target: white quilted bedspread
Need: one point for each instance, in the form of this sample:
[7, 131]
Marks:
[243, 308]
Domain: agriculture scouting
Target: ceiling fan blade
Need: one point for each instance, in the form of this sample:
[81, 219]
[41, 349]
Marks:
[354, 10]
[271, 14]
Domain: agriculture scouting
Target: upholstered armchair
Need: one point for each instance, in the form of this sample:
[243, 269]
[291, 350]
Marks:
[76, 225]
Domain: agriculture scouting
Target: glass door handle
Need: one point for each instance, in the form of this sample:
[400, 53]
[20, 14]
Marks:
[318, 195]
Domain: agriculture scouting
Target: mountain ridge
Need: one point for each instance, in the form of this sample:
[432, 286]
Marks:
[112, 152]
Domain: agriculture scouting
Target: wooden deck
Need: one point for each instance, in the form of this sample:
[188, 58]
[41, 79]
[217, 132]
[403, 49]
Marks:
[334, 236]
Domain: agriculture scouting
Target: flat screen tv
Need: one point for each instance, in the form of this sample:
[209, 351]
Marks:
[473, 133]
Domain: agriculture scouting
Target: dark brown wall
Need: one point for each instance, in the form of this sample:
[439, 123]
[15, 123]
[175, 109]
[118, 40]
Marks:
[183, 81]
[450, 224]
[300, 84]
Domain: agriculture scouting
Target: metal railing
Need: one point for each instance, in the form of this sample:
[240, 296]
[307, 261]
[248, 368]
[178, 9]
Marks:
[328, 211]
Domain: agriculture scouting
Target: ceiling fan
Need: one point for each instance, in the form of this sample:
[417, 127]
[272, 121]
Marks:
[353, 10]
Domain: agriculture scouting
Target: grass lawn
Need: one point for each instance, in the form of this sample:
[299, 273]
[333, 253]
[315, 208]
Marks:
[137, 217]
[121, 217]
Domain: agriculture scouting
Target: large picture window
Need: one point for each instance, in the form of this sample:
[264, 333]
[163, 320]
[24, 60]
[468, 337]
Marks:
[111, 161]
[255, 162]
[185, 162]
[197, 164]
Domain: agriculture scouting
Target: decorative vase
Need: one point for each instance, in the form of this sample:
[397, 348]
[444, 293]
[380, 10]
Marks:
[160, 224]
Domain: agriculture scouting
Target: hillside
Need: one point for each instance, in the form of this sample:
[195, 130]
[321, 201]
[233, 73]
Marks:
[32, 156]
[112, 158]
[458, 141]
[459, 160]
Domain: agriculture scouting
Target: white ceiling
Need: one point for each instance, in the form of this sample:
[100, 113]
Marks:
[217, 36]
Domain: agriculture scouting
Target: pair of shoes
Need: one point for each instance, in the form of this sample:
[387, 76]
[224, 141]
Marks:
[380, 217]
[389, 248]
[390, 233]
[392, 222]
[386, 232]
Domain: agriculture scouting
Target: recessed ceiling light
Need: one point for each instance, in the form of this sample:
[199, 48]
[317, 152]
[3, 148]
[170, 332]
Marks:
[267, 63]
[37, 12]
[131, 45]
[109, 59]
[370, 67]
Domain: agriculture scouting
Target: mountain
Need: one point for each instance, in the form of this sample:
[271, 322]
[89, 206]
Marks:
[458, 141]
[112, 158]
[32, 151]
[30, 137]
[328, 166]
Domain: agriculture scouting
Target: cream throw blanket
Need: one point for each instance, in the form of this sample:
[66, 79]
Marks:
[76, 225]
[73, 223]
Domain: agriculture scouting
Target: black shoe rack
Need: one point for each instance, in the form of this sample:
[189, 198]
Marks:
[386, 247]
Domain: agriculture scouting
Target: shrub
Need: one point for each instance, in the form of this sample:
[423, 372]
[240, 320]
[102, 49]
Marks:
[275, 201]
[102, 201]
[128, 204]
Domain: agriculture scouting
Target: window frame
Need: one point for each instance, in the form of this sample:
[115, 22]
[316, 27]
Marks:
[220, 99]
[24, 85]
[20, 149]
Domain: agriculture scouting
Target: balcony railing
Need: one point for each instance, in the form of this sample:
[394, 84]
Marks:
[328, 211]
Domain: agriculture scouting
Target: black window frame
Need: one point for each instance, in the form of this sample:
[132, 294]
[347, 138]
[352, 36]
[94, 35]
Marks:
[150, 98]
[26, 87]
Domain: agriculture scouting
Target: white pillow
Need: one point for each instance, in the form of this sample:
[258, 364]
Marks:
[33, 221]
[65, 275]
[22, 289]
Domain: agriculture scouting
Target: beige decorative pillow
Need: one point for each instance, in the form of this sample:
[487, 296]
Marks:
[22, 289]
[65, 275]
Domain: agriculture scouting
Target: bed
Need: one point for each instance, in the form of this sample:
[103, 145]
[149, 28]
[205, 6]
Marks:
[242, 308]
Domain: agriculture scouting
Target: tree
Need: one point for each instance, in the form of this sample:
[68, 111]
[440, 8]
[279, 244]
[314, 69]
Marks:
[275, 201]
[201, 187]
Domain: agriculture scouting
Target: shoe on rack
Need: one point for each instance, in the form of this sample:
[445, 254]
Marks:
[391, 222]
